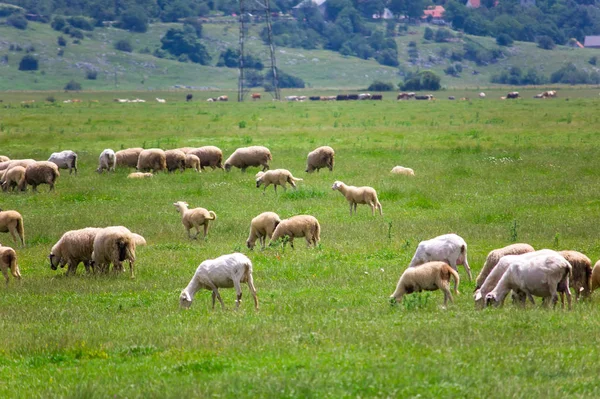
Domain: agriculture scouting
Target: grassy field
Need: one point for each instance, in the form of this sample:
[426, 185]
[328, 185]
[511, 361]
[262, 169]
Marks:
[494, 172]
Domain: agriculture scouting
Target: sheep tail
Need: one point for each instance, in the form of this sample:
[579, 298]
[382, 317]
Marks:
[317, 234]
[74, 163]
[295, 179]
[14, 268]
[21, 231]
[454, 274]
[214, 215]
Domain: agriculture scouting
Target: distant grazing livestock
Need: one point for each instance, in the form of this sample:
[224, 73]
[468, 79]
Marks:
[74, 247]
[210, 100]
[512, 95]
[175, 160]
[306, 226]
[314, 98]
[405, 96]
[276, 177]
[65, 160]
[341, 97]
[41, 172]
[401, 170]
[494, 257]
[377, 97]
[427, 97]
[194, 218]
[291, 98]
[549, 94]
[352, 96]
[364, 96]
[482, 95]
[255, 96]
[107, 161]
[222, 98]
[449, 248]
[451, 98]
[262, 227]
[209, 155]
[302, 98]
[161, 100]
[114, 244]
[128, 157]
[153, 159]
[328, 98]
[581, 272]
[189, 97]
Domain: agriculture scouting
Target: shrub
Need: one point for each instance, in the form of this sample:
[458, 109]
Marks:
[124, 45]
[61, 41]
[91, 75]
[451, 70]
[428, 34]
[593, 60]
[72, 86]
[381, 86]
[51, 99]
[134, 19]
[17, 21]
[443, 35]
[504, 40]
[58, 23]
[546, 42]
[425, 80]
[76, 34]
[28, 63]
[388, 57]
[184, 41]
[80, 23]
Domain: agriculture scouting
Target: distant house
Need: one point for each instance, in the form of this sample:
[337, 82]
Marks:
[320, 4]
[387, 14]
[473, 3]
[591, 42]
[435, 12]
[574, 43]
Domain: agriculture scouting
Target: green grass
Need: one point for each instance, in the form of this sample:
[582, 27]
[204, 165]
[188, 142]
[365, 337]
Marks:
[325, 328]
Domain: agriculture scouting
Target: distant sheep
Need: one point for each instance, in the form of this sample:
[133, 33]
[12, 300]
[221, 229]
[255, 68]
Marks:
[194, 218]
[175, 160]
[74, 247]
[248, 156]
[401, 170]
[322, 157]
[115, 245]
[192, 162]
[262, 227]
[12, 221]
[359, 195]
[210, 156]
[107, 161]
[14, 178]
[276, 177]
[429, 276]
[41, 172]
[66, 159]
[128, 157]
[139, 175]
[8, 260]
[153, 159]
[581, 272]
[449, 248]
[495, 255]
[306, 226]
[223, 272]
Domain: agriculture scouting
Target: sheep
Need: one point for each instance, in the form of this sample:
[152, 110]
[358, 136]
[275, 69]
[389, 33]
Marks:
[12, 221]
[6, 166]
[4, 158]
[542, 275]
[596, 276]
[401, 170]
[581, 274]
[194, 218]
[128, 157]
[262, 227]
[306, 226]
[495, 255]
[8, 260]
[276, 177]
[107, 161]
[66, 159]
[429, 276]
[153, 159]
[449, 248]
[14, 178]
[359, 195]
[41, 172]
[139, 240]
[185, 150]
[74, 247]
[139, 175]
[248, 156]
[322, 157]
[114, 245]
[192, 162]
[211, 156]
[175, 160]
[226, 271]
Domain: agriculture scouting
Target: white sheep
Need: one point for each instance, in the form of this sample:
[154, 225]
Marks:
[12, 221]
[74, 247]
[276, 177]
[429, 276]
[248, 156]
[14, 178]
[4, 158]
[306, 226]
[153, 159]
[139, 175]
[401, 170]
[359, 195]
[107, 161]
[175, 160]
[210, 156]
[449, 248]
[192, 162]
[66, 159]
[128, 157]
[194, 218]
[322, 157]
[114, 244]
[581, 272]
[41, 172]
[495, 255]
[17, 162]
[262, 227]
[223, 272]
[8, 260]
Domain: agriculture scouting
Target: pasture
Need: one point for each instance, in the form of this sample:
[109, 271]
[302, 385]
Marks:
[494, 172]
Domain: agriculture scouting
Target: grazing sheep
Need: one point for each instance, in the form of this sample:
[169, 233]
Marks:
[14, 178]
[128, 157]
[194, 218]
[449, 248]
[223, 272]
[495, 255]
[359, 195]
[12, 221]
[8, 260]
[322, 157]
[107, 161]
[581, 272]
[66, 159]
[248, 156]
[306, 226]
[74, 247]
[6, 166]
[401, 170]
[139, 240]
[210, 156]
[175, 160]
[41, 172]
[139, 175]
[276, 177]
[114, 245]
[596, 276]
[429, 276]
[262, 227]
[185, 150]
[153, 159]
[192, 162]
[4, 158]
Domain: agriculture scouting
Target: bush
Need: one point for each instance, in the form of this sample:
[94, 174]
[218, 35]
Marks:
[58, 23]
[124, 45]
[388, 57]
[381, 86]
[28, 63]
[184, 41]
[428, 34]
[80, 23]
[76, 34]
[286, 81]
[504, 40]
[593, 60]
[443, 35]
[91, 75]
[546, 42]
[17, 21]
[61, 41]
[425, 80]
[451, 70]
[134, 19]
[51, 99]
[73, 86]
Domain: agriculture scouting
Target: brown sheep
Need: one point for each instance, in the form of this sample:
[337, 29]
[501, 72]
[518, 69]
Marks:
[41, 172]
[429, 276]
[175, 160]
[209, 155]
[8, 260]
[153, 159]
[306, 226]
[12, 221]
[581, 273]
[128, 157]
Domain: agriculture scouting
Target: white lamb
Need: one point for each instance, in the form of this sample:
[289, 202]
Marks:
[427, 277]
[223, 272]
[401, 170]
[276, 177]
[74, 247]
[107, 161]
[262, 227]
[359, 195]
[449, 248]
[495, 255]
[194, 218]
[66, 159]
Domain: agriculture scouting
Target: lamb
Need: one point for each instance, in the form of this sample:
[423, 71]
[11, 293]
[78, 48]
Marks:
[401, 170]
[248, 156]
[194, 218]
[262, 227]
[139, 175]
[8, 260]
[359, 195]
[12, 221]
[107, 161]
[192, 162]
[306, 226]
[322, 157]
[449, 248]
[581, 274]
[596, 276]
[276, 177]
[114, 245]
[541, 275]
[495, 255]
[153, 159]
[223, 272]
[429, 276]
[128, 157]
[74, 247]
[14, 178]
[211, 156]
[175, 160]
[66, 159]
[41, 172]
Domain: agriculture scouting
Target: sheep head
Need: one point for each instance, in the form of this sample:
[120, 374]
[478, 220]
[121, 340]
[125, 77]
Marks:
[337, 185]
[54, 261]
[185, 300]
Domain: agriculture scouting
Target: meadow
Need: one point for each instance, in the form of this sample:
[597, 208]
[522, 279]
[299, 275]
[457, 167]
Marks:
[494, 172]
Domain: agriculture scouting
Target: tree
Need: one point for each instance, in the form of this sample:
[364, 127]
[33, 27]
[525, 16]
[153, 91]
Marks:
[425, 80]
[428, 34]
[124, 45]
[28, 63]
[72, 86]
[545, 42]
[58, 23]
[504, 40]
[378, 85]
[134, 19]
[17, 21]
[388, 57]
[184, 41]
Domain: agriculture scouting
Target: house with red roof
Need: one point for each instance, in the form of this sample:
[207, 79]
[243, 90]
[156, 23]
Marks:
[473, 3]
[436, 13]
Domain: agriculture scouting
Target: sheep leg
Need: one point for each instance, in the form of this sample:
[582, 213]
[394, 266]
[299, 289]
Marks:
[252, 290]
[5, 273]
[214, 296]
[292, 242]
[13, 229]
[351, 209]
[447, 294]
[355, 205]
[205, 230]
[131, 269]
[568, 294]
[372, 209]
[220, 299]
[71, 269]
[238, 291]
